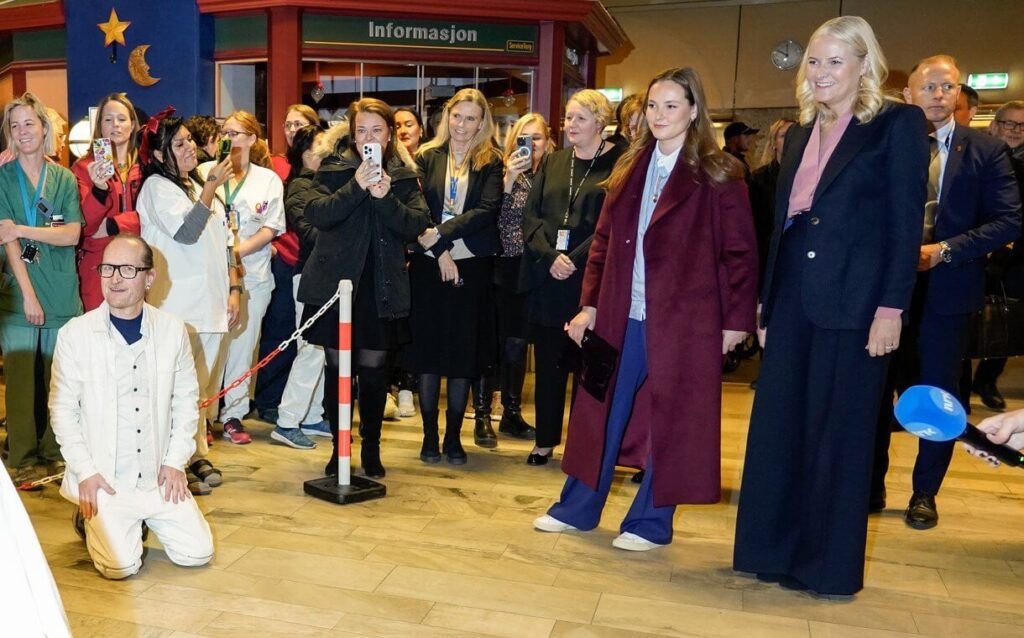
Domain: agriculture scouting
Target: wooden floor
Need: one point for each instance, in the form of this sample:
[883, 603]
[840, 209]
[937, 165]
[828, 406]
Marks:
[451, 552]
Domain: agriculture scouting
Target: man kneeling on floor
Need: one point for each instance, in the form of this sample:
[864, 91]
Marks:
[123, 403]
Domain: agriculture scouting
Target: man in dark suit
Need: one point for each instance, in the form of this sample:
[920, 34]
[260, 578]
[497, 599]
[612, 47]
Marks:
[974, 207]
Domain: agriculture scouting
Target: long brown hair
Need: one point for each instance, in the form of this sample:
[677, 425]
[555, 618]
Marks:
[133, 116]
[700, 149]
[259, 153]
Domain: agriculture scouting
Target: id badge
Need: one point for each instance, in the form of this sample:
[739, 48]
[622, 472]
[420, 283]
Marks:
[562, 240]
[44, 208]
[233, 219]
[30, 253]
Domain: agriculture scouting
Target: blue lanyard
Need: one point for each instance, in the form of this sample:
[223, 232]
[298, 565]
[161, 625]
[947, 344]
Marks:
[30, 207]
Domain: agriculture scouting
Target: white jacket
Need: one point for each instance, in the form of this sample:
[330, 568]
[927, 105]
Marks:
[83, 394]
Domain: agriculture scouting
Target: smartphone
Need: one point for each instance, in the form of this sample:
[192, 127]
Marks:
[524, 146]
[223, 150]
[103, 151]
[373, 153]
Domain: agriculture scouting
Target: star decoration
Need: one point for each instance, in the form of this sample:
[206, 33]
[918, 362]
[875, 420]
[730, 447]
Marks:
[113, 29]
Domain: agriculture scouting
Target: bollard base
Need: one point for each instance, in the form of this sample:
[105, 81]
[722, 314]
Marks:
[361, 489]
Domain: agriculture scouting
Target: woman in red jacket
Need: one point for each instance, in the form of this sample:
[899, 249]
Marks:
[107, 190]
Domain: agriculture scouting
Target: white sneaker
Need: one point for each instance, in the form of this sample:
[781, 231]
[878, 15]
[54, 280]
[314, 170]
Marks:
[390, 407]
[551, 524]
[633, 543]
[406, 407]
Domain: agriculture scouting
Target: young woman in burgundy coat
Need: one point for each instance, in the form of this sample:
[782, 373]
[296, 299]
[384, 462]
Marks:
[670, 283]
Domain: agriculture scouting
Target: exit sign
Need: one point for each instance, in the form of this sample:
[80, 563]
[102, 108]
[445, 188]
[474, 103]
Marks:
[983, 81]
[613, 95]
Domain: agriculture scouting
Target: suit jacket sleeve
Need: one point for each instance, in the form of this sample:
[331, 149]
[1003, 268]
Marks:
[184, 413]
[737, 258]
[906, 175]
[484, 214]
[1000, 211]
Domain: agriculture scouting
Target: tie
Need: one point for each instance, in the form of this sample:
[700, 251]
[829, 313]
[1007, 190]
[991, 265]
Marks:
[934, 167]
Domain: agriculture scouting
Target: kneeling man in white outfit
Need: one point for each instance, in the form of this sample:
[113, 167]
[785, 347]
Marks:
[124, 407]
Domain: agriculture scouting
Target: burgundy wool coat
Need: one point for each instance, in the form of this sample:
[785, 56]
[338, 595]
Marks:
[700, 252]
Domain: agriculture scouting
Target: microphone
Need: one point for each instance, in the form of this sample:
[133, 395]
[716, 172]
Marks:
[933, 414]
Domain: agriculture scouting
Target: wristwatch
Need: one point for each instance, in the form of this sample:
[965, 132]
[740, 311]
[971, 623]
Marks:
[945, 252]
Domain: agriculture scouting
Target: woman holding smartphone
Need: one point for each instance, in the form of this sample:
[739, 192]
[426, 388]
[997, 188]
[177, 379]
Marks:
[254, 199]
[365, 214]
[107, 188]
[40, 223]
[559, 220]
[184, 222]
[451, 269]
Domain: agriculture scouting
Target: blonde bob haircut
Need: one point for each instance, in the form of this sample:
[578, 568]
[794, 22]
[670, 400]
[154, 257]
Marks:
[596, 103]
[857, 33]
[517, 130]
[483, 149]
[32, 102]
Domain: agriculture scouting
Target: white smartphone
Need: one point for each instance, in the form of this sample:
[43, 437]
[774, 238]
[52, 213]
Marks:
[103, 151]
[372, 152]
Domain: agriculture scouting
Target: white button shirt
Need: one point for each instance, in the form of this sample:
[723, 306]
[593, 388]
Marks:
[658, 171]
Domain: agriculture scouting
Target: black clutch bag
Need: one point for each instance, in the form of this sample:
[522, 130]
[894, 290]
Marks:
[997, 330]
[593, 363]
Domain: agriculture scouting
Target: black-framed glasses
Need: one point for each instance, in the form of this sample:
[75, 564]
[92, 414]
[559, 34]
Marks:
[127, 271]
[1011, 125]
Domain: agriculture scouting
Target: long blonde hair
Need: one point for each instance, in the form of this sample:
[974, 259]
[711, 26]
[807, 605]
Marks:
[259, 153]
[483, 148]
[857, 33]
[517, 129]
[768, 152]
[700, 149]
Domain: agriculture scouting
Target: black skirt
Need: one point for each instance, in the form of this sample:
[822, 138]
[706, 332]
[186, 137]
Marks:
[509, 304]
[803, 507]
[452, 326]
[369, 332]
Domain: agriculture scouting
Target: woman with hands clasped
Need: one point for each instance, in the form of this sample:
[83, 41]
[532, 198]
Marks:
[185, 224]
[671, 284]
[40, 223]
[107, 189]
[364, 215]
[451, 270]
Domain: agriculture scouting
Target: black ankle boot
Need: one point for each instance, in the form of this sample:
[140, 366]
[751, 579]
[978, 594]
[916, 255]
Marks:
[369, 453]
[452, 439]
[483, 432]
[512, 423]
[430, 452]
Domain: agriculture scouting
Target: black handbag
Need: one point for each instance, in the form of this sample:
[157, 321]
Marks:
[593, 363]
[997, 330]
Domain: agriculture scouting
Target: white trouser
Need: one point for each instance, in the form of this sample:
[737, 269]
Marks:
[303, 397]
[114, 535]
[209, 358]
[241, 350]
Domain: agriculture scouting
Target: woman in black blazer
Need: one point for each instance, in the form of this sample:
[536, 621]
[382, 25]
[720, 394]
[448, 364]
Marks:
[363, 224]
[840, 270]
[451, 268]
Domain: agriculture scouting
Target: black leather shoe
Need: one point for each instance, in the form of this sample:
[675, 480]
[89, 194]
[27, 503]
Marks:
[513, 425]
[990, 396]
[877, 503]
[483, 433]
[539, 459]
[921, 512]
[638, 478]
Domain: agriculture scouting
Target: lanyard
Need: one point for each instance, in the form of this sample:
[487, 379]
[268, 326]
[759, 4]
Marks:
[229, 195]
[572, 172]
[454, 172]
[30, 207]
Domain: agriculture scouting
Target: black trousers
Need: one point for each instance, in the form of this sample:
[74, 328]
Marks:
[803, 506]
[278, 325]
[550, 379]
[930, 353]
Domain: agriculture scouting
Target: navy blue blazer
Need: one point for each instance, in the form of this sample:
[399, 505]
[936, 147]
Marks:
[864, 228]
[979, 211]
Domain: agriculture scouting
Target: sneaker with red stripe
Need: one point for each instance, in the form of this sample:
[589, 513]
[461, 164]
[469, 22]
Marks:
[235, 432]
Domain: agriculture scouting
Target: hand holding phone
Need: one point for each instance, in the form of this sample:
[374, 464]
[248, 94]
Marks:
[224, 150]
[372, 153]
[103, 153]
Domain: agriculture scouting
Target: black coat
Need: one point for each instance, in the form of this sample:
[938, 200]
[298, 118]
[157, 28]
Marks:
[297, 194]
[864, 233]
[762, 204]
[348, 220]
[477, 226]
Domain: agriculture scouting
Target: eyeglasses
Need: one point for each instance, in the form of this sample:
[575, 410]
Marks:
[232, 134]
[127, 271]
[294, 125]
[1011, 125]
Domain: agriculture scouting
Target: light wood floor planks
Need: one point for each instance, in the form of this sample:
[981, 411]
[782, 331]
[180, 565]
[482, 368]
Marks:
[450, 552]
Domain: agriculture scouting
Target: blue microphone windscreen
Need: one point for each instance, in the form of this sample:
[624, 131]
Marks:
[930, 413]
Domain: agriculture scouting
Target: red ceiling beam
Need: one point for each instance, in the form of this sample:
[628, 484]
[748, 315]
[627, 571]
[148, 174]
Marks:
[33, 16]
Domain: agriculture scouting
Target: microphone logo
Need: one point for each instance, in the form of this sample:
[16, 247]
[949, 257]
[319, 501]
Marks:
[947, 403]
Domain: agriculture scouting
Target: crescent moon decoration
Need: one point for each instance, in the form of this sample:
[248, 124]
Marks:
[137, 67]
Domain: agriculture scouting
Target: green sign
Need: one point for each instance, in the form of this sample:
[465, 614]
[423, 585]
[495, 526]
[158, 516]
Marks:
[982, 81]
[371, 33]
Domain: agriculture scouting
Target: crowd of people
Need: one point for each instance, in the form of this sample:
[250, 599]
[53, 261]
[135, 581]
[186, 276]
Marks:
[859, 242]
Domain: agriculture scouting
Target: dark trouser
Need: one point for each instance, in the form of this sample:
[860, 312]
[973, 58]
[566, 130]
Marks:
[278, 325]
[988, 371]
[549, 387]
[581, 506]
[930, 353]
[371, 373]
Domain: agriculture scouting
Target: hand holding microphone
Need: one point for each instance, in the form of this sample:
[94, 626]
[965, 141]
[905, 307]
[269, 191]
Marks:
[935, 415]
[1003, 429]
